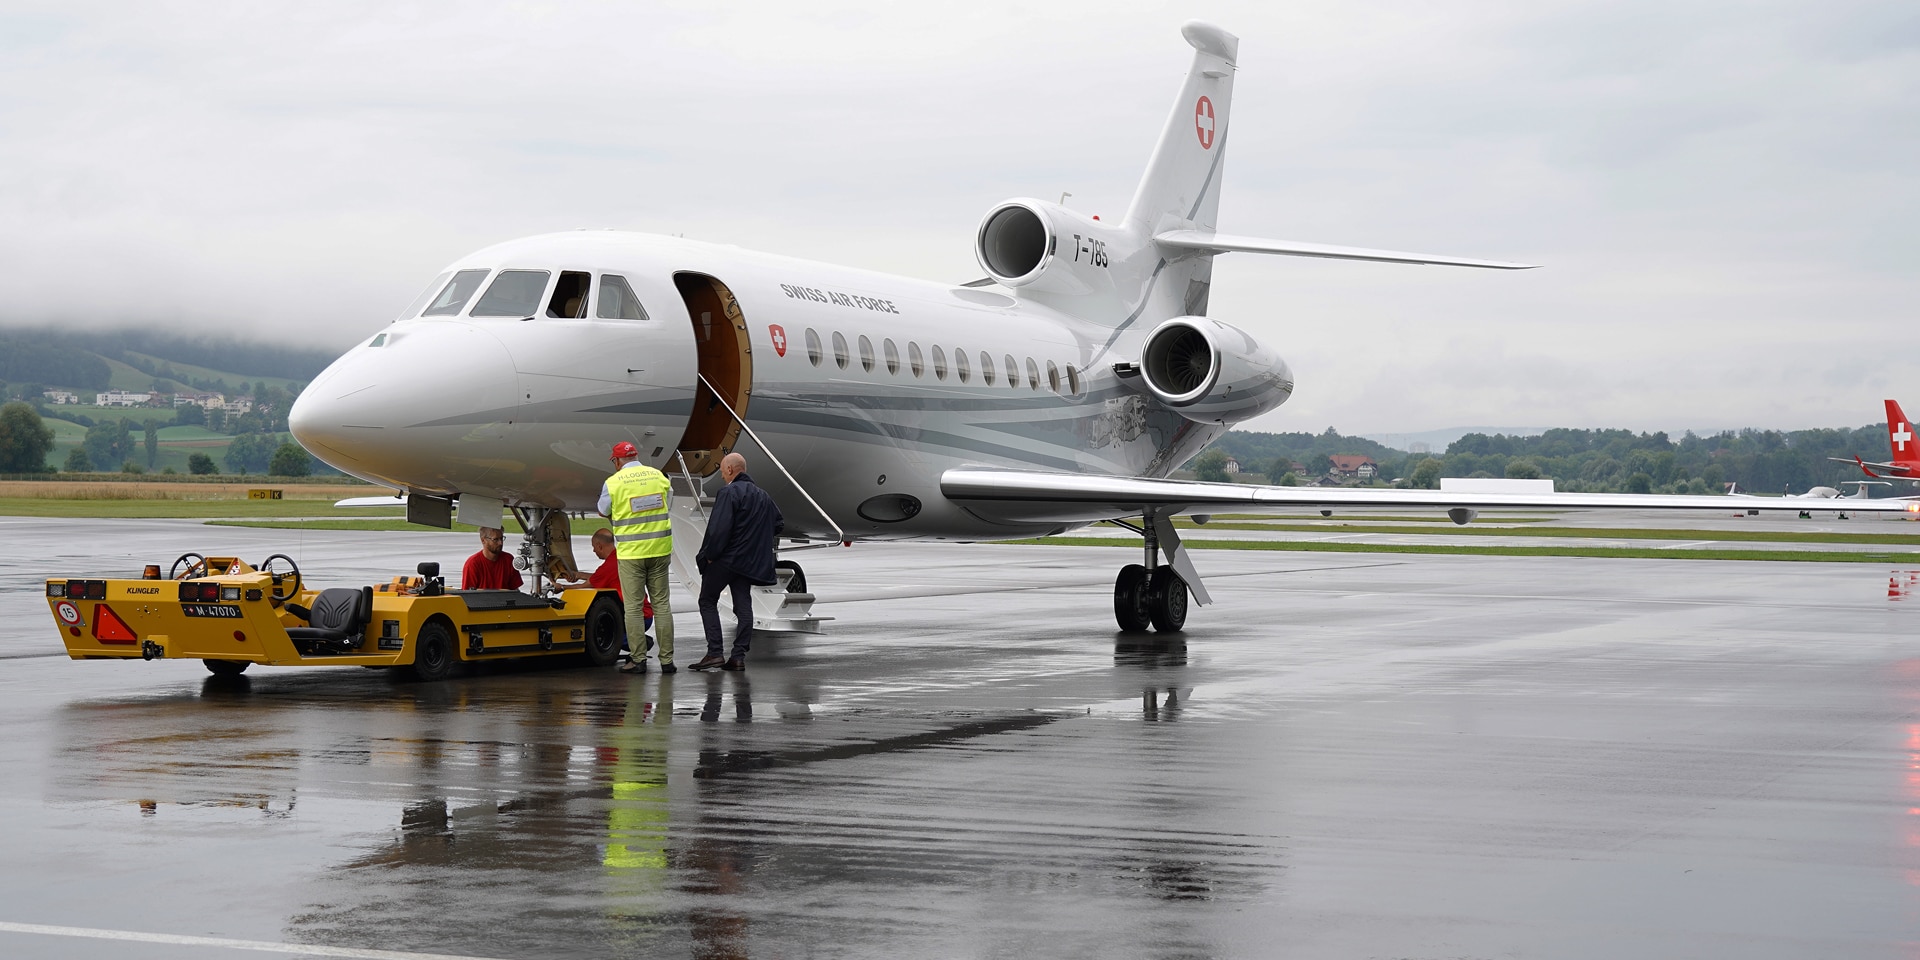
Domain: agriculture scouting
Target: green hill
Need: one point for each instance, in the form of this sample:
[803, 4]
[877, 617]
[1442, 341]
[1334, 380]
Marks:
[33, 361]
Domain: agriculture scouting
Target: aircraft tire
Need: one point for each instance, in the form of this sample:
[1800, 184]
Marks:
[1130, 598]
[605, 622]
[227, 668]
[1167, 600]
[433, 653]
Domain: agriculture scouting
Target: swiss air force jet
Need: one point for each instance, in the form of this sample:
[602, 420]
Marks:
[1057, 392]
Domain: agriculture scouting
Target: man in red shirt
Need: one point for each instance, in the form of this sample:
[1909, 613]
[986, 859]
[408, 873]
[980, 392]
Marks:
[491, 568]
[607, 577]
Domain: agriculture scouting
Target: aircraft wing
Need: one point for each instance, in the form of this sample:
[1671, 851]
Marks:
[1025, 496]
[1202, 241]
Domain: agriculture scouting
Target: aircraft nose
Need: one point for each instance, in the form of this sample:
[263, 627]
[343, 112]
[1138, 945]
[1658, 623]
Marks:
[389, 410]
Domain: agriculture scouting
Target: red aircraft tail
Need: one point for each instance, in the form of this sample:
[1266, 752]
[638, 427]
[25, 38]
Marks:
[1900, 437]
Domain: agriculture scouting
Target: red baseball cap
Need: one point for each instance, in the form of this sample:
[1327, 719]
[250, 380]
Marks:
[624, 449]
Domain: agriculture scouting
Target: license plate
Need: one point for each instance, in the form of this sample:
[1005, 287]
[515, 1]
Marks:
[215, 610]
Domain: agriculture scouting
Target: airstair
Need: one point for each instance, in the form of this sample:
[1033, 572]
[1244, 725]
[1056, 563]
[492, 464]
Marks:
[777, 607]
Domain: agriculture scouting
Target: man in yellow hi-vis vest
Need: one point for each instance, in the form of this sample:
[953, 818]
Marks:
[637, 499]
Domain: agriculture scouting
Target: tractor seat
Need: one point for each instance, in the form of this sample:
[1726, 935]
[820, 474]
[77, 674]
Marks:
[336, 623]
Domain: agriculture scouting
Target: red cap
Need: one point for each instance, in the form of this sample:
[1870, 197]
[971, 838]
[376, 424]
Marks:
[624, 449]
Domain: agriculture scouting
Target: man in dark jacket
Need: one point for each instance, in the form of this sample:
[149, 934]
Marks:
[736, 555]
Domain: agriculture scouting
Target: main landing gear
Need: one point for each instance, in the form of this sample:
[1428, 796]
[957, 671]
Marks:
[1155, 594]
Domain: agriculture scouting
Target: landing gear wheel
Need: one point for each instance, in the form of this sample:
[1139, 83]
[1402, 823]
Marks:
[605, 621]
[1167, 600]
[1130, 598]
[196, 567]
[433, 653]
[799, 582]
[227, 668]
[281, 592]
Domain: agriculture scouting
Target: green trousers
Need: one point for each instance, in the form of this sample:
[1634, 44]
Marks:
[646, 578]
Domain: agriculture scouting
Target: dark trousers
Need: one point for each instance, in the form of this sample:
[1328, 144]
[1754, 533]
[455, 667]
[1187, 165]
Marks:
[713, 580]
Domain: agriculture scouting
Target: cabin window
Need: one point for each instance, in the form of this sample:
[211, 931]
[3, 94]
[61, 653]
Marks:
[839, 350]
[915, 362]
[514, 293]
[1053, 377]
[413, 309]
[892, 355]
[814, 353]
[986, 368]
[1033, 375]
[569, 300]
[1073, 381]
[866, 353]
[455, 296]
[939, 363]
[960, 365]
[617, 301]
[379, 341]
[1013, 372]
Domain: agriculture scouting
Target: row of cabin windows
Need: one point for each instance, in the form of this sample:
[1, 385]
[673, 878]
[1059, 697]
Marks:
[1067, 383]
[518, 293]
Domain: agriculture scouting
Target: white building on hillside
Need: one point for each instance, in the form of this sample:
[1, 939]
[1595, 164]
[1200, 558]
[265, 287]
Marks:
[200, 400]
[238, 405]
[123, 398]
[60, 396]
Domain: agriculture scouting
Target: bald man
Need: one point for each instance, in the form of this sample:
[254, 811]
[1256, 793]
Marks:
[736, 555]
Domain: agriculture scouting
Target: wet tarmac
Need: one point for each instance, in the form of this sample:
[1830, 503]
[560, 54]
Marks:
[1347, 756]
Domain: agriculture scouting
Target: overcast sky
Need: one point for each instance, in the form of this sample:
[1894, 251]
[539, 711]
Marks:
[1723, 194]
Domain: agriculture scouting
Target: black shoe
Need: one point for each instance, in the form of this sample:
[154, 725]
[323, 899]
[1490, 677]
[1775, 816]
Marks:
[669, 668]
[737, 663]
[634, 666]
[707, 663]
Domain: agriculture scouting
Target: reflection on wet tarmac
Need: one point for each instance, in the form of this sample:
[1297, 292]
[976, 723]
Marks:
[571, 805]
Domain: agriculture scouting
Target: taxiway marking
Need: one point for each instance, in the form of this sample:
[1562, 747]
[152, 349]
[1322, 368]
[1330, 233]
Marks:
[261, 946]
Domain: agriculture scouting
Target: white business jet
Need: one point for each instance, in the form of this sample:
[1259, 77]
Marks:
[1057, 392]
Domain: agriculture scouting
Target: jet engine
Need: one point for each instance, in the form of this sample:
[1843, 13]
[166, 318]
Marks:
[1212, 372]
[1041, 246]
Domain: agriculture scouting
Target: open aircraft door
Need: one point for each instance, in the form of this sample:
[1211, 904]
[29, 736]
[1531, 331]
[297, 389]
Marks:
[725, 384]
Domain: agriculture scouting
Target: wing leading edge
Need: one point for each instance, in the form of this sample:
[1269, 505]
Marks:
[1026, 496]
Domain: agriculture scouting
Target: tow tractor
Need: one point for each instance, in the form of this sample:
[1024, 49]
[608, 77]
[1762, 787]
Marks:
[230, 614]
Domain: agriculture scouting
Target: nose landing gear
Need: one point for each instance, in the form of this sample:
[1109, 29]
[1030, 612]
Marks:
[1155, 594]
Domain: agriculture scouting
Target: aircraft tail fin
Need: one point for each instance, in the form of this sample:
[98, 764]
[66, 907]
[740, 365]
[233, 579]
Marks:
[1900, 435]
[1181, 188]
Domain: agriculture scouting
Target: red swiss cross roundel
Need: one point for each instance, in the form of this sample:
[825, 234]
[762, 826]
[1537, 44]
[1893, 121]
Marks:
[1203, 122]
[779, 337]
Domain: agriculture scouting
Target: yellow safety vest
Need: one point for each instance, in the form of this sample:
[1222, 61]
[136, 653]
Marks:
[639, 496]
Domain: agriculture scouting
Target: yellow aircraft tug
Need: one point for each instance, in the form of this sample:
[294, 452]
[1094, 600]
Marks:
[230, 615]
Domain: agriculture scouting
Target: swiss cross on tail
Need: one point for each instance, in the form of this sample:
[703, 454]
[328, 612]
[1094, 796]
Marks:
[1203, 122]
[779, 337]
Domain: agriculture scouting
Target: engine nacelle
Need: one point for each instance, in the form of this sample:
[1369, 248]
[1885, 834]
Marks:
[1046, 247]
[1212, 372]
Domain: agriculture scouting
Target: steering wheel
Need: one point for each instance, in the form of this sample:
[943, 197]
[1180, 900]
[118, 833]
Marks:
[280, 596]
[196, 568]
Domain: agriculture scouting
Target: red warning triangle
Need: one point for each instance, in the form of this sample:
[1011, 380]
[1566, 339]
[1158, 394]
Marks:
[109, 628]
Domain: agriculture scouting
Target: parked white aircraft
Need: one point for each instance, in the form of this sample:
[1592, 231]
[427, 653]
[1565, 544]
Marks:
[1058, 392]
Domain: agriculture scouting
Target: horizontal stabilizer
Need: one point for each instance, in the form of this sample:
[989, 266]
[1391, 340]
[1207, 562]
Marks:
[391, 500]
[1201, 241]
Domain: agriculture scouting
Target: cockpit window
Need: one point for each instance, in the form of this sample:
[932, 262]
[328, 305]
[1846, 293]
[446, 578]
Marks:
[569, 300]
[617, 301]
[514, 293]
[455, 296]
[413, 309]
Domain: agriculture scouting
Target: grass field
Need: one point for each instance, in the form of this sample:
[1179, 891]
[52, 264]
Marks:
[155, 499]
[1589, 533]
